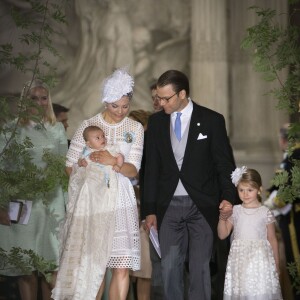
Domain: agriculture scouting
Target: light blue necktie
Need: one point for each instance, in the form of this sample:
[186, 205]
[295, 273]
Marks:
[178, 126]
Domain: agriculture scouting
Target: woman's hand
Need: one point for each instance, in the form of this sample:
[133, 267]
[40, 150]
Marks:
[103, 157]
[145, 227]
[4, 217]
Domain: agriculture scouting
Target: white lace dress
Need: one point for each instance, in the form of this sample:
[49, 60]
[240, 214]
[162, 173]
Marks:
[251, 270]
[108, 235]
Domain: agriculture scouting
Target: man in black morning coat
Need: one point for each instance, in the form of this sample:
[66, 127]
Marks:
[187, 183]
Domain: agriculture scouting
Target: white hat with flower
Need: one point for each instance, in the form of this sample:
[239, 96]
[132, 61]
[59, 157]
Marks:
[117, 85]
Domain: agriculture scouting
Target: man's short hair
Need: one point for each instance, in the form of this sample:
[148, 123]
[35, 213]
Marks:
[57, 108]
[153, 84]
[177, 79]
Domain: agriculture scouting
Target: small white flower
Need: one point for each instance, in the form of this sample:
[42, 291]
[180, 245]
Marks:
[236, 175]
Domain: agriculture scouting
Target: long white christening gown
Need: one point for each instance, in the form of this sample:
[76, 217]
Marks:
[102, 228]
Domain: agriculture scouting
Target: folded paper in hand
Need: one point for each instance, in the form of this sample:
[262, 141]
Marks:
[14, 211]
[20, 211]
[154, 239]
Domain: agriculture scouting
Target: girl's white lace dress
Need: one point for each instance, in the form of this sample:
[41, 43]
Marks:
[101, 229]
[251, 270]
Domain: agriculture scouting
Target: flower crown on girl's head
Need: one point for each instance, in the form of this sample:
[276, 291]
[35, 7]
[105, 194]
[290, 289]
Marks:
[237, 174]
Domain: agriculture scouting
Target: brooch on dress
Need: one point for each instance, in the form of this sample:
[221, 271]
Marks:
[129, 137]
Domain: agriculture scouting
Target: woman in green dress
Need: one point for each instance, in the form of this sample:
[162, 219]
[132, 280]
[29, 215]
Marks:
[40, 233]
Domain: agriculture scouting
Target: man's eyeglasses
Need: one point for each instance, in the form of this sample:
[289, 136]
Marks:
[164, 99]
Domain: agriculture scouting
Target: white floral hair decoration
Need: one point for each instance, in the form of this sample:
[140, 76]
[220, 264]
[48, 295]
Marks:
[117, 85]
[237, 174]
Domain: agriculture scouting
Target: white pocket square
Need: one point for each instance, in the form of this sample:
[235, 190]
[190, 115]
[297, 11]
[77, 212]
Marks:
[201, 136]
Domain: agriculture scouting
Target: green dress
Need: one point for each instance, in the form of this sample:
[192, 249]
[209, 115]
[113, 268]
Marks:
[41, 232]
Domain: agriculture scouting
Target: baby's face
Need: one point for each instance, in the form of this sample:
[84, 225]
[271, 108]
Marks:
[96, 140]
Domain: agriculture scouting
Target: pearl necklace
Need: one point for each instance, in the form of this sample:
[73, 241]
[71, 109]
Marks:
[253, 211]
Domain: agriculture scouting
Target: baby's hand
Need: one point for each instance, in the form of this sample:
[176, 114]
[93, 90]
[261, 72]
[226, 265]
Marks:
[82, 162]
[117, 168]
[119, 163]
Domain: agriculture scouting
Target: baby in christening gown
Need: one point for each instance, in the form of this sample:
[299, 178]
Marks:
[87, 234]
[95, 141]
[253, 262]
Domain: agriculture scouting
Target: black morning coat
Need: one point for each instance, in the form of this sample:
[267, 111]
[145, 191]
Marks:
[206, 168]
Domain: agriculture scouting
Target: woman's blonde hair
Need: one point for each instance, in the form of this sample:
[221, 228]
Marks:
[37, 83]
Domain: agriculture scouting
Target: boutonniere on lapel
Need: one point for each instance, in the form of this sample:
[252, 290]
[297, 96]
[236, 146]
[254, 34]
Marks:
[201, 136]
[129, 136]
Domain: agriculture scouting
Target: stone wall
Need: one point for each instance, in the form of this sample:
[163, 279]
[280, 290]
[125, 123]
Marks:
[200, 37]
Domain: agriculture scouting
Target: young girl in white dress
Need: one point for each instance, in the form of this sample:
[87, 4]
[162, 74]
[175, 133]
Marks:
[253, 262]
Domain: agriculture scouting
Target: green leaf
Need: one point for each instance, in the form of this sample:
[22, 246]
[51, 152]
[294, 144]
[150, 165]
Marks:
[25, 261]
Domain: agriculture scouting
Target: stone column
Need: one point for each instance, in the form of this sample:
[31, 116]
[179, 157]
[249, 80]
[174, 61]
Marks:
[209, 65]
[223, 78]
[254, 119]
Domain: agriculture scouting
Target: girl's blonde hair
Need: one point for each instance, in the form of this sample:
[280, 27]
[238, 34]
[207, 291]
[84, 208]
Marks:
[37, 83]
[253, 178]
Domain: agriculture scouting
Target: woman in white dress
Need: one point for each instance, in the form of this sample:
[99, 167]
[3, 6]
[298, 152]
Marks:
[253, 262]
[119, 233]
